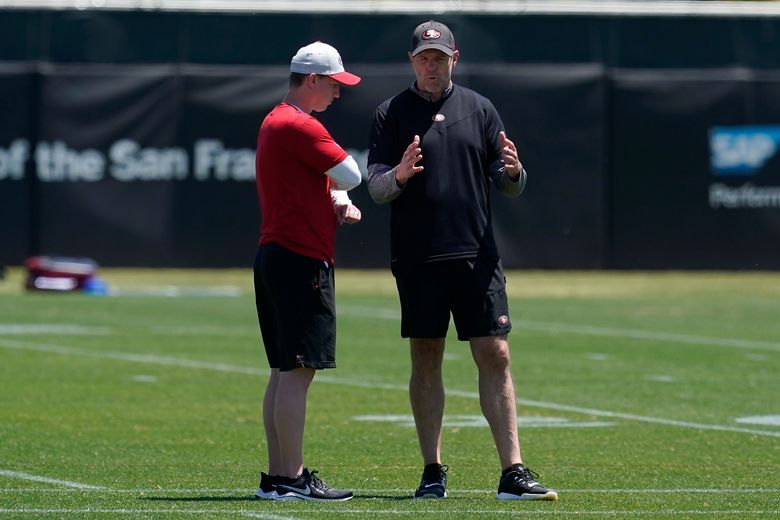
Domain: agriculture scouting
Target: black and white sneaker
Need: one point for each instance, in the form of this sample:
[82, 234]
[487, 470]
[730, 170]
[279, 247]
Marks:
[433, 483]
[519, 483]
[309, 487]
[267, 489]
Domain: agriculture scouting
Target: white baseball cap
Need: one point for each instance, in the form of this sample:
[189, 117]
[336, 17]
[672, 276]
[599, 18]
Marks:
[320, 58]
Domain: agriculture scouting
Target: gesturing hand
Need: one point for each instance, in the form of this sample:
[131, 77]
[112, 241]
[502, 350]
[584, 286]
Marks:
[347, 214]
[512, 163]
[408, 168]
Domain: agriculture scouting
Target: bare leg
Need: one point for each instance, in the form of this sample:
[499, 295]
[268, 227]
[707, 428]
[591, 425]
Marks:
[290, 417]
[497, 395]
[269, 400]
[426, 392]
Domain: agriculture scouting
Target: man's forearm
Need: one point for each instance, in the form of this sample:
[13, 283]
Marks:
[381, 183]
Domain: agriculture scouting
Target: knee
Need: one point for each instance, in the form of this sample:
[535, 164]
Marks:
[426, 369]
[427, 356]
[494, 359]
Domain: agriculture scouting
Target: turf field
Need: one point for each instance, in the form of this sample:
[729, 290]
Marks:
[639, 396]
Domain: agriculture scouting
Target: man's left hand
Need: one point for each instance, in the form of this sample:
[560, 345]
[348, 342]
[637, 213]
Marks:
[512, 164]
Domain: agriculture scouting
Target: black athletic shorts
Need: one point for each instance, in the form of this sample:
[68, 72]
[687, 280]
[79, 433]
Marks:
[294, 295]
[473, 290]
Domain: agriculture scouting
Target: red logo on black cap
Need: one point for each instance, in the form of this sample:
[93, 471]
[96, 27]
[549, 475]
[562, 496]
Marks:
[431, 34]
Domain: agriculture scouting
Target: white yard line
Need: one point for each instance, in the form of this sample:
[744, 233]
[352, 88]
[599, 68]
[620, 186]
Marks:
[591, 330]
[37, 478]
[222, 367]
[362, 511]
[645, 418]
[400, 491]
[129, 511]
[648, 335]
[266, 516]
[52, 329]
[563, 408]
[556, 512]
[126, 356]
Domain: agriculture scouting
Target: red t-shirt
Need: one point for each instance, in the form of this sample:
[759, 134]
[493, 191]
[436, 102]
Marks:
[294, 151]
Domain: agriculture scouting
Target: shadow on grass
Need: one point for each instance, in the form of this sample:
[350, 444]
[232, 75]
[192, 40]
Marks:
[250, 498]
[385, 497]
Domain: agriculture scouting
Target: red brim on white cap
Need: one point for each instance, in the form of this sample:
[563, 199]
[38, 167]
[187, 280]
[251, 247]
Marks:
[346, 78]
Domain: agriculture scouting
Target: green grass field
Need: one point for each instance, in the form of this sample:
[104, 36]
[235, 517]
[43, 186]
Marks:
[639, 395]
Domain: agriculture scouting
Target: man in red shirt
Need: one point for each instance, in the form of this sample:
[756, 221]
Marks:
[302, 181]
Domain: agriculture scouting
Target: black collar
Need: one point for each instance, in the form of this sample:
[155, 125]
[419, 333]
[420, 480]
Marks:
[427, 95]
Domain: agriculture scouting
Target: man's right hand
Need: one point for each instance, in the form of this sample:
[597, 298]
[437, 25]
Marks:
[408, 168]
[347, 213]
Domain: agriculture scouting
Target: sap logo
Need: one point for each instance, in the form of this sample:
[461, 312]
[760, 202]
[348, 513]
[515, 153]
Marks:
[742, 150]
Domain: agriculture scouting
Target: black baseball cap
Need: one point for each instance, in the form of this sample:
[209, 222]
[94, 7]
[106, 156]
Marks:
[433, 35]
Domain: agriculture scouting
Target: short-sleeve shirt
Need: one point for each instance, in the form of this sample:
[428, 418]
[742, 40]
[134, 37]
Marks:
[294, 151]
[444, 212]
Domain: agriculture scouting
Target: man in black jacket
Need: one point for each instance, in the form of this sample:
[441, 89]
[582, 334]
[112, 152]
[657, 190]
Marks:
[434, 150]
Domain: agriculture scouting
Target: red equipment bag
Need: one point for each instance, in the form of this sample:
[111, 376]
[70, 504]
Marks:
[53, 273]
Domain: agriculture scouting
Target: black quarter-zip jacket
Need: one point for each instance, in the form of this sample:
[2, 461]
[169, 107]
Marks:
[444, 211]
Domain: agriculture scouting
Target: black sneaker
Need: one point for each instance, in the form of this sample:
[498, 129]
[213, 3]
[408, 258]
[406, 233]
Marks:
[267, 489]
[519, 483]
[433, 483]
[309, 487]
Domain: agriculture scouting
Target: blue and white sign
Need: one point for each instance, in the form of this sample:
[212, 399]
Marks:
[742, 150]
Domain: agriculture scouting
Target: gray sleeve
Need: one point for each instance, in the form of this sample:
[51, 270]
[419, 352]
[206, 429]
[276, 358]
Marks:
[505, 183]
[381, 183]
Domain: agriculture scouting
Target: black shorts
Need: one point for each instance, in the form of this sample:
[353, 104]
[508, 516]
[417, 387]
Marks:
[473, 290]
[294, 295]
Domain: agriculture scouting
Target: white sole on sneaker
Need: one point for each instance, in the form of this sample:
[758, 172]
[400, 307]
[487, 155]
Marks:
[262, 495]
[285, 497]
[295, 496]
[431, 495]
[550, 495]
